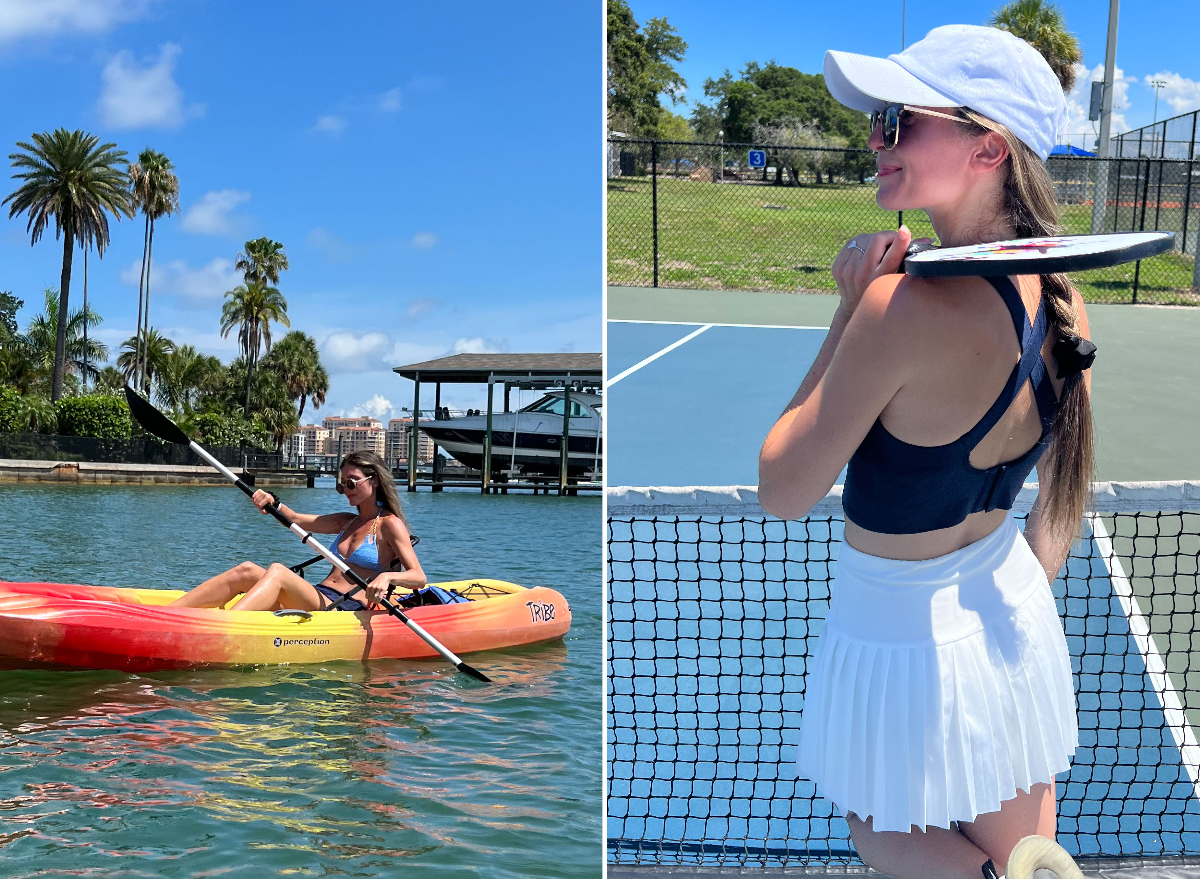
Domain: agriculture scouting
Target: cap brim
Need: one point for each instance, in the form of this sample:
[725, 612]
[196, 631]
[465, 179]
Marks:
[865, 83]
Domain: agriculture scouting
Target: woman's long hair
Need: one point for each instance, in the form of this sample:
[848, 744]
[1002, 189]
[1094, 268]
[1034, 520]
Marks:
[1031, 208]
[373, 465]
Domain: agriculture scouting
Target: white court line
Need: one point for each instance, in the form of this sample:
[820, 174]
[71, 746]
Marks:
[616, 378]
[1185, 738]
[692, 323]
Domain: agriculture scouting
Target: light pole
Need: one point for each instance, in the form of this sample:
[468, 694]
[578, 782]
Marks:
[721, 169]
[1157, 85]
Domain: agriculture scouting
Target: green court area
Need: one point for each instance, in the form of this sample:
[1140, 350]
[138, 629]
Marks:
[762, 237]
[1145, 385]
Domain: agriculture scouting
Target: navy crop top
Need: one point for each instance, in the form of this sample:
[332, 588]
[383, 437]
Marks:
[896, 488]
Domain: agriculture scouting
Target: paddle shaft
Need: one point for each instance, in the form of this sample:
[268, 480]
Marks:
[321, 549]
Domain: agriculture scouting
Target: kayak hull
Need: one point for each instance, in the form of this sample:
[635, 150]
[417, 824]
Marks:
[57, 625]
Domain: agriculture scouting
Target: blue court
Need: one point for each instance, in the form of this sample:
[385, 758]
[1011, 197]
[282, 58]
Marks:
[698, 753]
[695, 412]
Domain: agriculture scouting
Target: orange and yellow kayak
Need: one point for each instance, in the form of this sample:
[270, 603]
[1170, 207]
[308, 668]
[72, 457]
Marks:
[72, 626]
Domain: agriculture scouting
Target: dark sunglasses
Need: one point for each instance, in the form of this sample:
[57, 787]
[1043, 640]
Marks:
[891, 115]
[345, 485]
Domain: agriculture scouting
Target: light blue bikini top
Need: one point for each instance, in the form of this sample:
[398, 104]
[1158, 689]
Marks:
[366, 555]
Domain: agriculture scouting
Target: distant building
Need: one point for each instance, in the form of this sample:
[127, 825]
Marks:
[315, 439]
[346, 435]
[398, 438]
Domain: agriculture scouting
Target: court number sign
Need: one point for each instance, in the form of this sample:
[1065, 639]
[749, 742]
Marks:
[758, 158]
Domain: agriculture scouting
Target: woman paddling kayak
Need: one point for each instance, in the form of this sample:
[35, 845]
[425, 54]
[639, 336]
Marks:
[371, 542]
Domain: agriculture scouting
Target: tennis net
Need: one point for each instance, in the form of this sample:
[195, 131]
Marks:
[714, 608]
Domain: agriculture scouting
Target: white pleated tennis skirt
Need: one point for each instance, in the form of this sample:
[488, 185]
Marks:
[939, 688]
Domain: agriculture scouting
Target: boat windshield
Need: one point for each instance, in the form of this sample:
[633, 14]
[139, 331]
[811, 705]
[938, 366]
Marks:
[553, 405]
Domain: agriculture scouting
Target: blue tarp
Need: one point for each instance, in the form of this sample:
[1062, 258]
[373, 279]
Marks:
[1065, 150]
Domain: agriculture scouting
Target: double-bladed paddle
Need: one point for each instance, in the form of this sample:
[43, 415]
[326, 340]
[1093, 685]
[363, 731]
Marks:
[165, 429]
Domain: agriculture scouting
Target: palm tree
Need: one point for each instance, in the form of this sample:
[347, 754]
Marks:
[73, 178]
[262, 261]
[183, 375]
[109, 380]
[251, 307]
[297, 361]
[156, 191]
[81, 352]
[148, 358]
[1041, 24]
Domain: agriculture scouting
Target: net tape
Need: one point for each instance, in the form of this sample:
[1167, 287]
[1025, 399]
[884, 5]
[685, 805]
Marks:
[714, 607]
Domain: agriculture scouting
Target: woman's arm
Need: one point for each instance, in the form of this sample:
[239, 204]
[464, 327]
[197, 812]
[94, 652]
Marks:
[327, 523]
[860, 367]
[395, 545]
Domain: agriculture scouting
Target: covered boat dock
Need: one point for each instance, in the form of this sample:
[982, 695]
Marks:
[568, 372]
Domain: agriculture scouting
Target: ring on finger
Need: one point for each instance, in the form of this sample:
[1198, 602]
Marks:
[854, 244]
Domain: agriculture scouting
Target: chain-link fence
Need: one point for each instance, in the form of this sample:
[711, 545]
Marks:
[696, 215]
[1173, 138]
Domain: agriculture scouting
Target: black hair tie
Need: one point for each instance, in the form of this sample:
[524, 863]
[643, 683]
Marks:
[1074, 355]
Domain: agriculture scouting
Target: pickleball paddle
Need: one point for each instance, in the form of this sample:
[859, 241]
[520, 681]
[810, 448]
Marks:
[1036, 256]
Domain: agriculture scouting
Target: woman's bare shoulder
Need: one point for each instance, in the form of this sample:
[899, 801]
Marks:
[395, 527]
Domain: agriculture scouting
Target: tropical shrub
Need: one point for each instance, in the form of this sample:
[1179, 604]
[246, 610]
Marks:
[22, 413]
[97, 415]
[231, 429]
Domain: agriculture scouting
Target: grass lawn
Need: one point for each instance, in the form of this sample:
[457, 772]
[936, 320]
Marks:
[762, 237]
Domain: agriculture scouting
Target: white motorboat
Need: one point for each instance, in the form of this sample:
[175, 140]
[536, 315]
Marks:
[528, 440]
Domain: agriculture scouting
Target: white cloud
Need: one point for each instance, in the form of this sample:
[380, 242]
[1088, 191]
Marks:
[378, 406]
[1180, 93]
[43, 18]
[389, 101]
[331, 124]
[479, 345]
[137, 96]
[424, 240]
[191, 288]
[345, 351]
[210, 215]
[420, 307]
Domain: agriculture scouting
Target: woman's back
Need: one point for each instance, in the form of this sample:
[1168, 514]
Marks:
[962, 351]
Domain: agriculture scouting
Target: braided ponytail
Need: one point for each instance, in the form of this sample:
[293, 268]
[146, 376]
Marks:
[1031, 209]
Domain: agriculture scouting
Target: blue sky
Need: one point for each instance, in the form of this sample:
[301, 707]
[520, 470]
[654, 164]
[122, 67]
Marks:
[433, 171]
[1155, 41]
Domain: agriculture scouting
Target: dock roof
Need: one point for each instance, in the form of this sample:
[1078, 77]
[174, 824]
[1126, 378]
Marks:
[477, 368]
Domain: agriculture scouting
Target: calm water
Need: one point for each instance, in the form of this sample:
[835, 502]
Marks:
[341, 769]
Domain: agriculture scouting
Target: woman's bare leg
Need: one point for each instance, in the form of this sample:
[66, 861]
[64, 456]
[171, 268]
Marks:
[280, 587]
[938, 853]
[222, 588]
[1028, 814]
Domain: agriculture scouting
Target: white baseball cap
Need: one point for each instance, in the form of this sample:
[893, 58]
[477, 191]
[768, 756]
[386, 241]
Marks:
[960, 65]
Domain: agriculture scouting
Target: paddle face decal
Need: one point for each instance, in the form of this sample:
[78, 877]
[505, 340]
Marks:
[540, 612]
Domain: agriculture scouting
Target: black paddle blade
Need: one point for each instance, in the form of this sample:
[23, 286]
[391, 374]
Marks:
[153, 420]
[473, 672]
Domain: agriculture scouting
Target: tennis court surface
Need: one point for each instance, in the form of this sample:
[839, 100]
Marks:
[714, 607]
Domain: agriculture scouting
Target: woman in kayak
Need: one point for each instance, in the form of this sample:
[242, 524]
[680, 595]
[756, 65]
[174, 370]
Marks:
[370, 541]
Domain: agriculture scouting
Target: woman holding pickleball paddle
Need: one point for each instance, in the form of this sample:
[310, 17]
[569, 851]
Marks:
[939, 706]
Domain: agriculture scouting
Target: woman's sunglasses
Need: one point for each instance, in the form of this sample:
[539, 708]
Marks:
[892, 114]
[345, 485]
